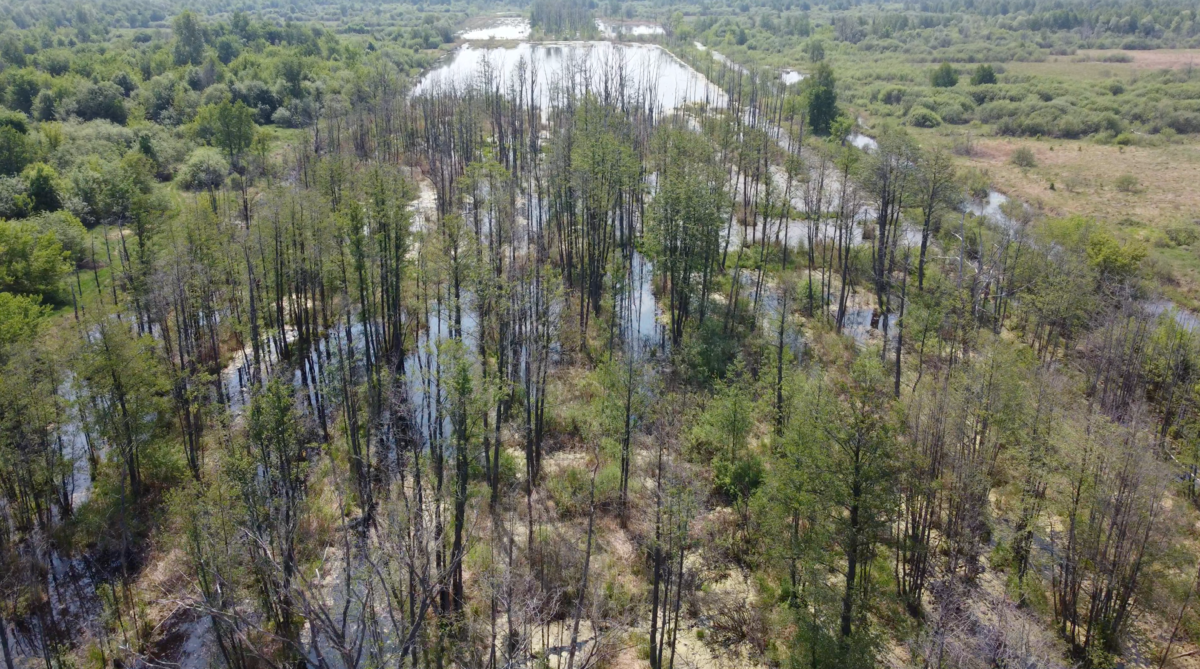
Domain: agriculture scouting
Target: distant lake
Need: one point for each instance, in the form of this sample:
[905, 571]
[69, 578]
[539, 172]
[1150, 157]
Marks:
[596, 66]
[503, 28]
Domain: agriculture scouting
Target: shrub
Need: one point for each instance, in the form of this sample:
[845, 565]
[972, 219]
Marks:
[43, 183]
[921, 117]
[31, 261]
[1182, 235]
[984, 74]
[892, 95]
[282, 118]
[105, 100]
[14, 197]
[67, 229]
[1127, 183]
[944, 76]
[205, 169]
[1023, 157]
[14, 150]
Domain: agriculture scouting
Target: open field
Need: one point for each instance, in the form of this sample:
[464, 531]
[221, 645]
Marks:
[1081, 177]
[1156, 59]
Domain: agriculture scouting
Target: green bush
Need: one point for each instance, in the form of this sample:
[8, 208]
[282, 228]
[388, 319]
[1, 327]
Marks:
[19, 318]
[921, 117]
[104, 101]
[14, 150]
[67, 230]
[1023, 157]
[1127, 183]
[570, 489]
[983, 75]
[44, 187]
[945, 76]
[31, 261]
[205, 169]
[1182, 235]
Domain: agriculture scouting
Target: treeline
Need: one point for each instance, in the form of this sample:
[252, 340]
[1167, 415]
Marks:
[886, 61]
[568, 19]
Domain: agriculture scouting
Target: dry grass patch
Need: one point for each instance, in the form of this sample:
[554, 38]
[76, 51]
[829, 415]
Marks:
[1155, 59]
[1143, 192]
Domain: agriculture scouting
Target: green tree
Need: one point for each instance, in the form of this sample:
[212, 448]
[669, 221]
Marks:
[189, 39]
[684, 231]
[292, 70]
[205, 170]
[273, 474]
[816, 50]
[229, 126]
[123, 388]
[44, 187]
[14, 150]
[31, 262]
[22, 89]
[822, 99]
[104, 100]
[945, 76]
[984, 74]
[20, 316]
[853, 440]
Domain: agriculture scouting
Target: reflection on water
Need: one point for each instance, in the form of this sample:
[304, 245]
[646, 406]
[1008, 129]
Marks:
[863, 142]
[502, 28]
[864, 323]
[1186, 319]
[643, 326]
[992, 209]
[612, 30]
[603, 67]
[790, 77]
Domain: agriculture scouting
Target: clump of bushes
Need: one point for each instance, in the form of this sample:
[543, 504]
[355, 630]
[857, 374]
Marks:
[1127, 183]
[1023, 158]
[921, 117]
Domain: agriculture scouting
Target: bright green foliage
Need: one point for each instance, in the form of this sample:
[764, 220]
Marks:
[229, 126]
[116, 193]
[725, 426]
[67, 230]
[205, 170]
[816, 50]
[1112, 260]
[921, 117]
[125, 379]
[15, 120]
[1023, 157]
[846, 439]
[20, 317]
[31, 262]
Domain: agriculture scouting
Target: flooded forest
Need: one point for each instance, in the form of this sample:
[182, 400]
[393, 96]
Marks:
[580, 346]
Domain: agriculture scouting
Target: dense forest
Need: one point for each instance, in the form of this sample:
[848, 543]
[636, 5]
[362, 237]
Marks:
[302, 365]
